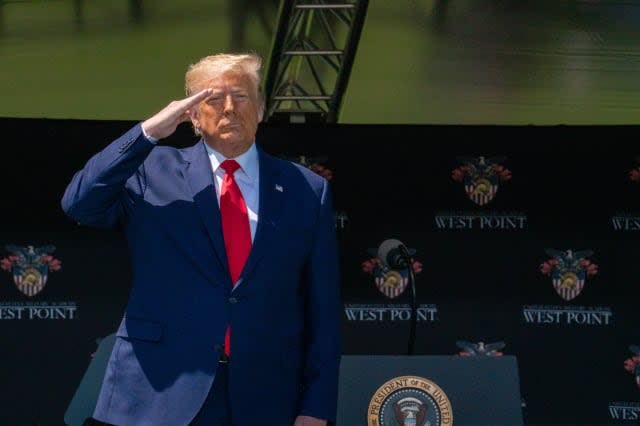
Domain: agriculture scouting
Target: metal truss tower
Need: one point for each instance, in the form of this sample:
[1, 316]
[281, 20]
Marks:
[311, 58]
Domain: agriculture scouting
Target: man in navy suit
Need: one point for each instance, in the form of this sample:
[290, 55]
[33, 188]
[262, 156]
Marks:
[196, 346]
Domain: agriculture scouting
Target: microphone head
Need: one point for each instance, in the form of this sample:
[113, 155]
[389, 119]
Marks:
[389, 252]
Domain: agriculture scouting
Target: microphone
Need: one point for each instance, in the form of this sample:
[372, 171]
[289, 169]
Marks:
[394, 254]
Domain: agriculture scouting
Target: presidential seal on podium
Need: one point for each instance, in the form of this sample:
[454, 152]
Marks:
[409, 401]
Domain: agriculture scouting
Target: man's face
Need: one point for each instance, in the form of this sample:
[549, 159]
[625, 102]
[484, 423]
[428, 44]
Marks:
[228, 119]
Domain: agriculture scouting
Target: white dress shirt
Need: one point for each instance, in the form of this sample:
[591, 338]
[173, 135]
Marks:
[247, 178]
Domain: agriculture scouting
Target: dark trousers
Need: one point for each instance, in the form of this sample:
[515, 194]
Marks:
[216, 410]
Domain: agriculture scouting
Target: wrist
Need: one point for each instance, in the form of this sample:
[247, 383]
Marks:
[146, 134]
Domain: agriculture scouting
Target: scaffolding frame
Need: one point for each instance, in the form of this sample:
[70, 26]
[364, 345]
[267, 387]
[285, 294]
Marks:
[311, 59]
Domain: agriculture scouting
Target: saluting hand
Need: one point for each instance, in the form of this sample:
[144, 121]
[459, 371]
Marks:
[165, 122]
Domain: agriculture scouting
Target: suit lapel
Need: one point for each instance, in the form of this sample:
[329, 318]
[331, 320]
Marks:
[199, 176]
[271, 198]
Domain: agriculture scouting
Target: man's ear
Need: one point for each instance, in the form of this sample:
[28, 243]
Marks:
[194, 116]
[261, 112]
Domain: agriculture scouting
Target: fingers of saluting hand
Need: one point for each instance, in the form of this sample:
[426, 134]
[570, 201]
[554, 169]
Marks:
[193, 100]
[179, 110]
[165, 122]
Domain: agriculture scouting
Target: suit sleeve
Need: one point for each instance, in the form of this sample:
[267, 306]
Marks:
[100, 193]
[320, 387]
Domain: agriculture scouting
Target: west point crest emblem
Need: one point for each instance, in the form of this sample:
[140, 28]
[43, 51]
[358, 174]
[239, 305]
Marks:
[568, 271]
[480, 349]
[391, 282]
[316, 164]
[481, 177]
[632, 364]
[30, 267]
[409, 401]
[634, 173]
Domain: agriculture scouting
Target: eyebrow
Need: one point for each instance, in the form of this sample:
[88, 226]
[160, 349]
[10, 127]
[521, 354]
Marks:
[232, 91]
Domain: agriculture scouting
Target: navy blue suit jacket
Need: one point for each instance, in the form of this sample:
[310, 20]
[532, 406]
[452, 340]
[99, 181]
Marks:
[284, 311]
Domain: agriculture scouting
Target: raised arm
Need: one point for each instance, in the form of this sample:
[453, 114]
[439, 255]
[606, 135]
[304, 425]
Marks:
[98, 194]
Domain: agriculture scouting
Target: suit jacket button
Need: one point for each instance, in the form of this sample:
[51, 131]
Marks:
[233, 300]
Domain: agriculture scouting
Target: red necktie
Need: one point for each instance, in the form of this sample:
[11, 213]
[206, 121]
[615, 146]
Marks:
[235, 228]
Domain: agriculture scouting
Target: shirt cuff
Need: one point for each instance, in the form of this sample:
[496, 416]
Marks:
[149, 138]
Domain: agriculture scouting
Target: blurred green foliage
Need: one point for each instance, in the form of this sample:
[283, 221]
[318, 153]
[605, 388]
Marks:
[438, 61]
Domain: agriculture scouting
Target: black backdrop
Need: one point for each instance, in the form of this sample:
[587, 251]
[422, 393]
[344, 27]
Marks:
[480, 277]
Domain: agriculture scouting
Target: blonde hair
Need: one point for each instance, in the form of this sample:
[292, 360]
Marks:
[210, 67]
[200, 73]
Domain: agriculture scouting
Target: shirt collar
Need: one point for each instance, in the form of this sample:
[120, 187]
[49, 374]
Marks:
[248, 160]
